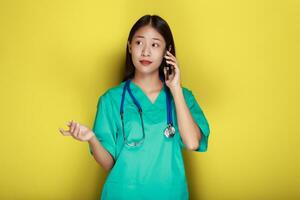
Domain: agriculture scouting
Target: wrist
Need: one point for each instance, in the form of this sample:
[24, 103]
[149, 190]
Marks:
[92, 138]
[176, 90]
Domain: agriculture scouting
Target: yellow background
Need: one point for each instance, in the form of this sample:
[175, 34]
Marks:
[240, 59]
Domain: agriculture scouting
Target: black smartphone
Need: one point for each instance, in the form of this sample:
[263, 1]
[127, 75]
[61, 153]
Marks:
[169, 67]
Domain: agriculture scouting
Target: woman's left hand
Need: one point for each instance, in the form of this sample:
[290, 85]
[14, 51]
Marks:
[174, 79]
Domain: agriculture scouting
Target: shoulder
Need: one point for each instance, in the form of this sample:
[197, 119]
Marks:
[187, 93]
[189, 96]
[112, 93]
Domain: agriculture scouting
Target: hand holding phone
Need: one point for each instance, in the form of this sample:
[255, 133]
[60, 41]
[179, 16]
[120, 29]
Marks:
[169, 67]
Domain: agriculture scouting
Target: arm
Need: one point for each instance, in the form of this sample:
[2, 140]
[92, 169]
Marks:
[83, 133]
[189, 130]
[100, 154]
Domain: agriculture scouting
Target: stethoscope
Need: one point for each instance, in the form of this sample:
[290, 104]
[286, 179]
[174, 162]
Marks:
[169, 132]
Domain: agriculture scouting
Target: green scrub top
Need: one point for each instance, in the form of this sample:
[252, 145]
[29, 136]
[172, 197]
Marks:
[154, 170]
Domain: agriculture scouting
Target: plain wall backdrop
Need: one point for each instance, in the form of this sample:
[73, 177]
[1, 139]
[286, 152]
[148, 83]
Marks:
[239, 57]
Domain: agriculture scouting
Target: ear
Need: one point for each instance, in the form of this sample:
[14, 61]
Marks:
[129, 47]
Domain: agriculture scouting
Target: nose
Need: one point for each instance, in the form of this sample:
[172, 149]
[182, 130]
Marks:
[146, 51]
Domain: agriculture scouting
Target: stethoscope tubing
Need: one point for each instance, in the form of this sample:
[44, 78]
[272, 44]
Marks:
[169, 112]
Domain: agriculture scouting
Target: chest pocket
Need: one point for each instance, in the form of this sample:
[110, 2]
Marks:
[132, 124]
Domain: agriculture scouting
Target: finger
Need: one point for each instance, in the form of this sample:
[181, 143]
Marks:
[174, 72]
[174, 66]
[79, 134]
[76, 130]
[170, 54]
[165, 73]
[170, 58]
[171, 62]
[176, 69]
[65, 133]
[79, 130]
[72, 126]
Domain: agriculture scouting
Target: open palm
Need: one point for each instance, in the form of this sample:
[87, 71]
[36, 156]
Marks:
[77, 131]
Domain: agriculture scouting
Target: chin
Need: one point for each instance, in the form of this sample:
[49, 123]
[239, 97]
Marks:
[145, 70]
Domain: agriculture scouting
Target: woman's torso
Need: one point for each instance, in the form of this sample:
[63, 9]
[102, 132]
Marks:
[154, 169]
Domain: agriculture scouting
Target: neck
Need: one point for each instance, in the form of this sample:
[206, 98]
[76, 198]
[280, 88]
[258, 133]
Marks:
[149, 82]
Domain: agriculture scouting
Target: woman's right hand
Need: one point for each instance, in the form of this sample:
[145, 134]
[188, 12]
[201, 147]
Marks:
[78, 131]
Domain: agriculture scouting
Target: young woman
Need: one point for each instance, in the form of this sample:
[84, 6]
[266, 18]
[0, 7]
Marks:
[142, 124]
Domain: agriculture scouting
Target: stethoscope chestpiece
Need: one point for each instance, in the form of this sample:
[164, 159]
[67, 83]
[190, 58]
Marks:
[169, 131]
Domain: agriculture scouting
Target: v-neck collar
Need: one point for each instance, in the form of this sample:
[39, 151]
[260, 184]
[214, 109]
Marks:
[141, 96]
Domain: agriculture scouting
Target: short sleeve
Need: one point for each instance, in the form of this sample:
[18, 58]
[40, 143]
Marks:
[201, 121]
[104, 126]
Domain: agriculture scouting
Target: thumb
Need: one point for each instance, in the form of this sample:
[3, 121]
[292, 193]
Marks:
[165, 71]
[65, 133]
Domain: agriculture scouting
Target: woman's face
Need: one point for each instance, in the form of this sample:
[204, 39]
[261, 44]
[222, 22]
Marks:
[147, 49]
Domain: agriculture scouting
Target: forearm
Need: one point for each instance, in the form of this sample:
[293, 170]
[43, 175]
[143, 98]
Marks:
[188, 128]
[101, 155]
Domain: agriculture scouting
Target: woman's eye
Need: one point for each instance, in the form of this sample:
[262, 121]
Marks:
[138, 42]
[155, 45]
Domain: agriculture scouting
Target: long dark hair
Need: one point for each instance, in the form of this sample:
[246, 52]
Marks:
[161, 26]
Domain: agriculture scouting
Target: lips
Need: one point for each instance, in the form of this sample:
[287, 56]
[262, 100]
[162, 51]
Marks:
[145, 62]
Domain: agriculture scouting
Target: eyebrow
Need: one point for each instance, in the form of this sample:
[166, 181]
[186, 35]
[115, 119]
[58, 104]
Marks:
[139, 36]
